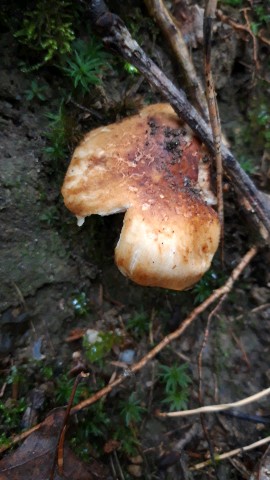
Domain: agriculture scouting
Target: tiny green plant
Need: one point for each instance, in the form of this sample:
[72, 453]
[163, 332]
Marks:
[48, 29]
[4, 440]
[100, 345]
[14, 376]
[206, 285]
[261, 17]
[100, 421]
[176, 380]
[46, 372]
[247, 164]
[36, 92]
[129, 68]
[132, 411]
[80, 304]
[264, 122]
[128, 439]
[94, 424]
[64, 386]
[50, 215]
[11, 413]
[85, 65]
[138, 324]
[259, 116]
[57, 135]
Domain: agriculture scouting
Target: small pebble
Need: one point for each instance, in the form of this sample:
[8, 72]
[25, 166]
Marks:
[127, 356]
[135, 470]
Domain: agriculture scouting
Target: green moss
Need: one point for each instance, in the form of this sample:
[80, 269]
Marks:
[11, 414]
[138, 324]
[176, 381]
[48, 29]
[97, 350]
[85, 65]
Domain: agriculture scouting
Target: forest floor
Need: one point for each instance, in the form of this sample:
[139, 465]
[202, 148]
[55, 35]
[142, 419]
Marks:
[59, 282]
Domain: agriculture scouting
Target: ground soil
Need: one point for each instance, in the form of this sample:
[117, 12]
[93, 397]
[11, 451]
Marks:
[47, 262]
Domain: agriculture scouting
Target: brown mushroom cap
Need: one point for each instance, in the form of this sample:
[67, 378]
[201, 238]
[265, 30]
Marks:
[152, 166]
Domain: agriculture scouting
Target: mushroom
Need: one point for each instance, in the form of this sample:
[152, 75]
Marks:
[152, 167]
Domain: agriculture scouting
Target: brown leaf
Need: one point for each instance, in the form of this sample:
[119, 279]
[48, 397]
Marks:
[111, 445]
[34, 458]
[75, 334]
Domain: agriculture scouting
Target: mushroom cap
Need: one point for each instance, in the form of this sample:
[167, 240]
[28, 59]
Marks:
[153, 167]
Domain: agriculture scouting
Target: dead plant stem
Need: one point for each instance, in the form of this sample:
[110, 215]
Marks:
[209, 16]
[232, 453]
[173, 34]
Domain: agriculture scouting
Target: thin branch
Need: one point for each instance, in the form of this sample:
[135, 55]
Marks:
[116, 36]
[219, 408]
[200, 390]
[173, 34]
[232, 453]
[209, 15]
[254, 39]
[59, 452]
[244, 28]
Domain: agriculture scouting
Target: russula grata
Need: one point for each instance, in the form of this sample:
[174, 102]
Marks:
[152, 167]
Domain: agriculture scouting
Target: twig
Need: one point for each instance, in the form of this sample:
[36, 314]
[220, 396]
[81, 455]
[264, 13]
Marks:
[116, 36]
[2, 390]
[263, 39]
[59, 452]
[187, 437]
[260, 307]
[119, 468]
[209, 15]
[91, 111]
[218, 408]
[253, 36]
[200, 395]
[241, 348]
[244, 28]
[232, 453]
[173, 34]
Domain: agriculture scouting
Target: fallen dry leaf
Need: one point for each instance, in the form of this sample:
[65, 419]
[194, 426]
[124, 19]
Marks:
[34, 458]
[75, 334]
[111, 445]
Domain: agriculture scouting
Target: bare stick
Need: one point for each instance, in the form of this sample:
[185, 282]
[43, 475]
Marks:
[221, 407]
[173, 34]
[116, 36]
[59, 452]
[209, 15]
[232, 453]
[200, 391]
